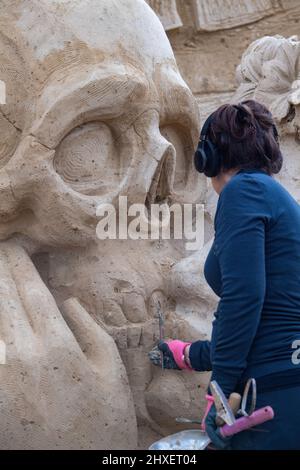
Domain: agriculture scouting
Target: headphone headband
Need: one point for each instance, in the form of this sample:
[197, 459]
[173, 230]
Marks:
[205, 128]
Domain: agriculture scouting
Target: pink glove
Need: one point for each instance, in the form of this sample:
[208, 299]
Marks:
[177, 348]
[173, 354]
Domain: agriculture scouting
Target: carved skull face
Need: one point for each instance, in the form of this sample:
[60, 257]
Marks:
[96, 108]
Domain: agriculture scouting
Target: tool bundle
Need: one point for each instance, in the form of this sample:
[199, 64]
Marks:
[232, 417]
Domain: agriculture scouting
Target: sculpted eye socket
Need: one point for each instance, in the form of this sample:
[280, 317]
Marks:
[88, 159]
[183, 147]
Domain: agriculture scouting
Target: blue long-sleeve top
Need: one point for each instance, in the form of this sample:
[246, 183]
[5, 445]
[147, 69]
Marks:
[254, 267]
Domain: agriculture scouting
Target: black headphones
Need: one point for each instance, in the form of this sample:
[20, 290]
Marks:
[208, 157]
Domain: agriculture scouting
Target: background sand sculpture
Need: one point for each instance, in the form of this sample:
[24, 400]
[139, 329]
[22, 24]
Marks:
[96, 109]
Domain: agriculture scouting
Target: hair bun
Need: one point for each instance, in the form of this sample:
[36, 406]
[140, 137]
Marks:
[243, 114]
[245, 120]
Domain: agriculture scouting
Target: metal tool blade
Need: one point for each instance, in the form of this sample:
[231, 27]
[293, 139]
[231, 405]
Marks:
[187, 420]
[223, 409]
[161, 329]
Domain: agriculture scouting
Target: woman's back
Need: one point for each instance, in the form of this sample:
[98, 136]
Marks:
[254, 266]
[279, 326]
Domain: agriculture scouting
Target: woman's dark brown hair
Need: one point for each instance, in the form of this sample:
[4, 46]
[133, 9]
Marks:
[246, 136]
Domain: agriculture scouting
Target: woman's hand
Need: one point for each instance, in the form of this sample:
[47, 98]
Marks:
[213, 431]
[173, 353]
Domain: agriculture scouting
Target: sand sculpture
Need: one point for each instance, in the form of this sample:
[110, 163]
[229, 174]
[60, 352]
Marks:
[95, 109]
[270, 73]
[207, 58]
[214, 15]
[167, 12]
[221, 14]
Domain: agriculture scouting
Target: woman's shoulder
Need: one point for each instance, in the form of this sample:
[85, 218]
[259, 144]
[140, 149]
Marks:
[253, 194]
[256, 186]
[246, 195]
[246, 184]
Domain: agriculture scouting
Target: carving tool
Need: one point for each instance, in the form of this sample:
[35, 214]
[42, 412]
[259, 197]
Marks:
[161, 330]
[197, 439]
[251, 383]
[223, 409]
[187, 420]
[234, 402]
[234, 426]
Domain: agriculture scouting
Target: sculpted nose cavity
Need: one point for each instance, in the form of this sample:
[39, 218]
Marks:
[151, 156]
[163, 179]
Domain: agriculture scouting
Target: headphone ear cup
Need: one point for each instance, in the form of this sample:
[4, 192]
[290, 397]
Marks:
[213, 164]
[200, 158]
[207, 158]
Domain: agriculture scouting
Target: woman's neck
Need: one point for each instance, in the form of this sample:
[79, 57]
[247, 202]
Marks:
[219, 181]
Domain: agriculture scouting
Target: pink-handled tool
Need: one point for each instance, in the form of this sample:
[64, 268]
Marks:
[246, 422]
[210, 401]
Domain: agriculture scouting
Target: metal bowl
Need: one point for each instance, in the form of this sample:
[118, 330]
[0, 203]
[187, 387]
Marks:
[191, 439]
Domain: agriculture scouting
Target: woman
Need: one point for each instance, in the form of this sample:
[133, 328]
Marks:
[254, 267]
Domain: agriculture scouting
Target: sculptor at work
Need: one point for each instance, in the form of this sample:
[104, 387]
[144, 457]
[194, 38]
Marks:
[254, 267]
